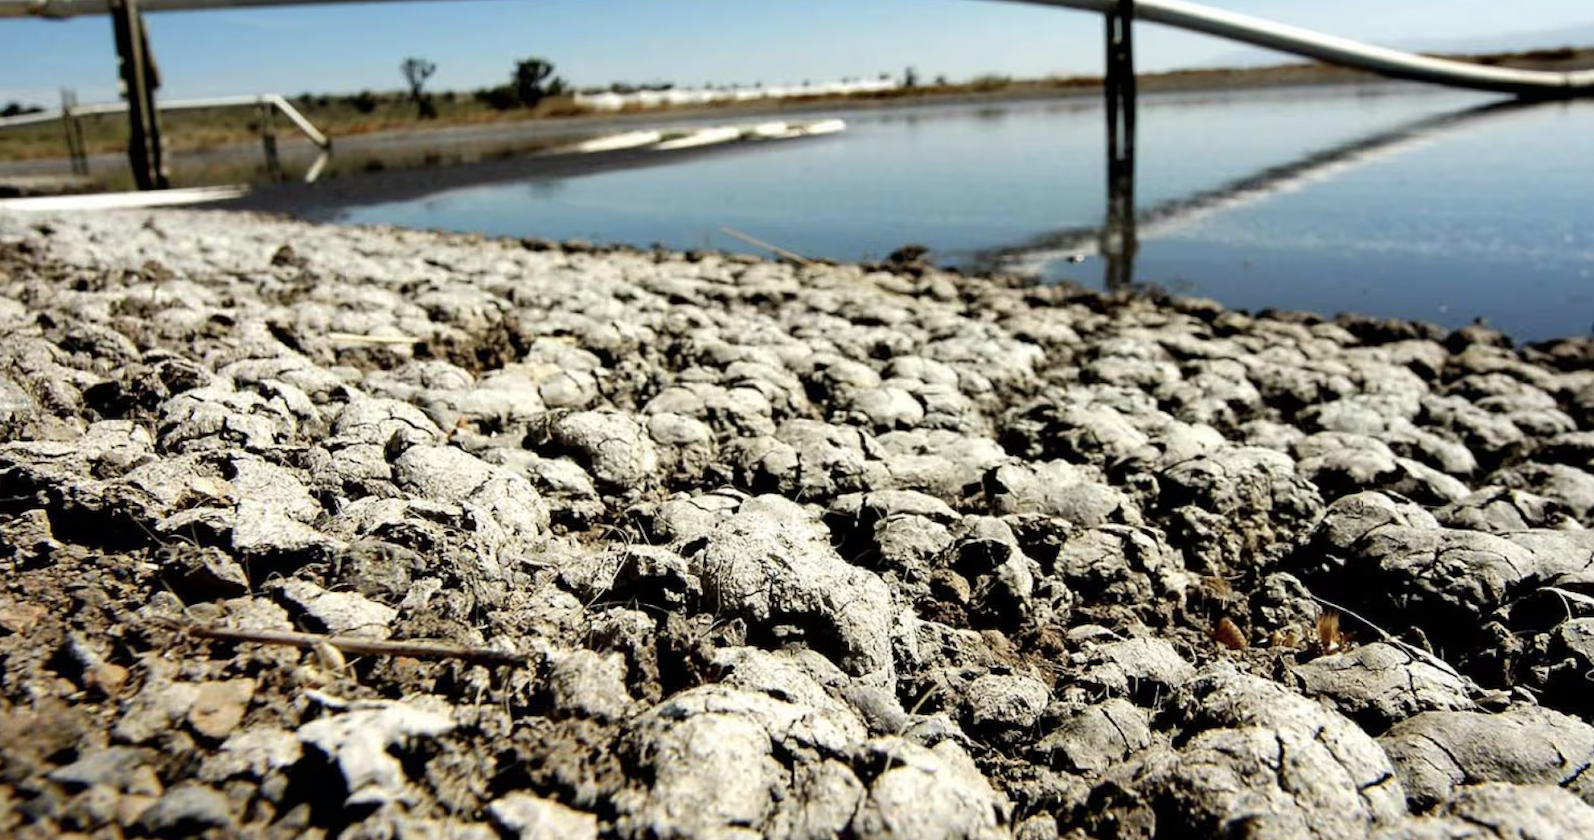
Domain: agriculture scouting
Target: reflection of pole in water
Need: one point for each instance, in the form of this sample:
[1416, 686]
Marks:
[1074, 242]
[1118, 240]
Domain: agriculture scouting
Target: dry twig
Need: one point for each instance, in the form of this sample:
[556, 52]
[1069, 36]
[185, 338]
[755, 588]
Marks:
[774, 249]
[356, 338]
[1390, 638]
[350, 645]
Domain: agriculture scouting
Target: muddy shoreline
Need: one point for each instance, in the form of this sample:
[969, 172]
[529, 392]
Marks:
[316, 531]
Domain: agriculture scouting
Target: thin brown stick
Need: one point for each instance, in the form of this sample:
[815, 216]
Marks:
[351, 645]
[774, 249]
[356, 338]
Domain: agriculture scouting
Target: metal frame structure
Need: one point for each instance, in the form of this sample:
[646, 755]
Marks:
[145, 152]
[1342, 51]
[267, 104]
[139, 80]
[1178, 13]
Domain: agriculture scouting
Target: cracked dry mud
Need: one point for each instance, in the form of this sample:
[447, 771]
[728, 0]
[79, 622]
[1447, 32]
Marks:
[764, 551]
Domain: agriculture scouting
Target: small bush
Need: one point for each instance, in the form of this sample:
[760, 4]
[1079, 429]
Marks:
[560, 106]
[501, 98]
[985, 84]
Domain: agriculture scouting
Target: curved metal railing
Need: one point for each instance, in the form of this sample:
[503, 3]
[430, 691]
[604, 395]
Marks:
[263, 102]
[1306, 43]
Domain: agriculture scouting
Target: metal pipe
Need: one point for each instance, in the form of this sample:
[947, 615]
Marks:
[298, 119]
[79, 110]
[60, 9]
[1343, 51]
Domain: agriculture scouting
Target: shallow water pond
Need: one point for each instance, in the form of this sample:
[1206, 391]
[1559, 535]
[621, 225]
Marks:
[1389, 200]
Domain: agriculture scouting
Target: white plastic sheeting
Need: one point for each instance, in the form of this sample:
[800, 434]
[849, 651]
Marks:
[609, 101]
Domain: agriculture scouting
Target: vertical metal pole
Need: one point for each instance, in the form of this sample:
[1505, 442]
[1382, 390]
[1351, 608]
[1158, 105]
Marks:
[268, 140]
[73, 127]
[1119, 241]
[139, 81]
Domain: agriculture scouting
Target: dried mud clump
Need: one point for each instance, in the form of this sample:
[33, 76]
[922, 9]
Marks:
[346, 533]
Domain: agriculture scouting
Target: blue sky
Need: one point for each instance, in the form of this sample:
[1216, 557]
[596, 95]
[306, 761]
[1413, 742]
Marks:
[335, 48]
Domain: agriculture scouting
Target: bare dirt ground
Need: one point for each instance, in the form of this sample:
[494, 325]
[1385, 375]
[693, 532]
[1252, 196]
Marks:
[364, 533]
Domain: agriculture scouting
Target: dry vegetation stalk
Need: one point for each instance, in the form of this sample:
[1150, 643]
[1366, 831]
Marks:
[1387, 637]
[349, 644]
[774, 249]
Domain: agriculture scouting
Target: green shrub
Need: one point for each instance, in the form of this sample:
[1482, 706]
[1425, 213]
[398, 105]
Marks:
[987, 83]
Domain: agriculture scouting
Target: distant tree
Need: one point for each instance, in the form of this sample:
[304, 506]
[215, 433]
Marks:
[910, 78]
[990, 82]
[940, 81]
[364, 102]
[530, 76]
[501, 98]
[17, 109]
[416, 72]
[557, 86]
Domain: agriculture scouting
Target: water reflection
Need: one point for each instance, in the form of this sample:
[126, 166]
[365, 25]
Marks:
[546, 189]
[1491, 221]
[1117, 239]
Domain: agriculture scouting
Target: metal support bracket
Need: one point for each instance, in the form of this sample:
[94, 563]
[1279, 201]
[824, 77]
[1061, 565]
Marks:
[76, 149]
[267, 117]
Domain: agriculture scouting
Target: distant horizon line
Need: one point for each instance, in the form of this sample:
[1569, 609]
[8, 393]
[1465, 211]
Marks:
[1049, 77]
[399, 91]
